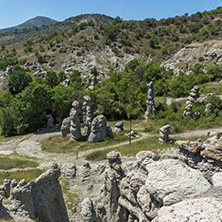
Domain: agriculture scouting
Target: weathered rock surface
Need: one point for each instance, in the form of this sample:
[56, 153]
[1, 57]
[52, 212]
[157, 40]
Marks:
[209, 109]
[65, 128]
[164, 134]
[205, 156]
[118, 127]
[87, 115]
[75, 129]
[41, 199]
[99, 129]
[201, 209]
[175, 181]
[150, 100]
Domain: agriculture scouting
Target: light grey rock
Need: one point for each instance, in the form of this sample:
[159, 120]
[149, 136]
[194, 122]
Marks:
[201, 209]
[99, 129]
[164, 134]
[50, 122]
[144, 158]
[88, 211]
[75, 129]
[69, 169]
[170, 154]
[209, 109]
[65, 128]
[39, 73]
[131, 134]
[87, 115]
[47, 196]
[9, 71]
[170, 181]
[150, 100]
[217, 179]
[86, 171]
[118, 127]
[188, 110]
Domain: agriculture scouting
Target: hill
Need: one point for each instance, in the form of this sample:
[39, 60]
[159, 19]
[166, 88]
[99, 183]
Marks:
[38, 22]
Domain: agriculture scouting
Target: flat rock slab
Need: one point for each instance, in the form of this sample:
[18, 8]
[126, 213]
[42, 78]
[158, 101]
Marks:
[200, 209]
[170, 181]
[30, 148]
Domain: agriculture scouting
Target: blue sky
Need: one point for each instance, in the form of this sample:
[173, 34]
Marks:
[14, 12]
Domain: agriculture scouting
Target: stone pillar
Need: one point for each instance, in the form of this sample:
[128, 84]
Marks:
[164, 134]
[150, 100]
[87, 115]
[75, 129]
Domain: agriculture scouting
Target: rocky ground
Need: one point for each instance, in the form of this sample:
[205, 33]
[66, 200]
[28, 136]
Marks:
[131, 191]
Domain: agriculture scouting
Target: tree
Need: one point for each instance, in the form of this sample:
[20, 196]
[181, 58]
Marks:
[18, 80]
[51, 79]
[28, 110]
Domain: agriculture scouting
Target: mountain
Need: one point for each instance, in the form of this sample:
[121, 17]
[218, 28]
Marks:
[38, 22]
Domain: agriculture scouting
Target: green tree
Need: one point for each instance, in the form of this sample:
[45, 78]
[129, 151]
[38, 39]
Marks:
[51, 79]
[18, 80]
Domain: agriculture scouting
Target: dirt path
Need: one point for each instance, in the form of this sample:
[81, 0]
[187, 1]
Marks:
[196, 133]
[29, 145]
[84, 153]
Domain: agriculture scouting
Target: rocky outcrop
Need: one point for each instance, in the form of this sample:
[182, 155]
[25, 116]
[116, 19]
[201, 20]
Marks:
[164, 134]
[75, 129]
[41, 199]
[209, 51]
[87, 115]
[118, 127]
[99, 129]
[206, 156]
[175, 181]
[150, 106]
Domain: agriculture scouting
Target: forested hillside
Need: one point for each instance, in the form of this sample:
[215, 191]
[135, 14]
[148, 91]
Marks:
[109, 59]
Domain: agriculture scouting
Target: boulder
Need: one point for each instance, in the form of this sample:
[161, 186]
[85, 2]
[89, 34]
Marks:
[118, 127]
[99, 129]
[200, 209]
[65, 128]
[170, 181]
[164, 134]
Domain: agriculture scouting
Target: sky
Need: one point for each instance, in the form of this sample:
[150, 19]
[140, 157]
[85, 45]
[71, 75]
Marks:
[15, 12]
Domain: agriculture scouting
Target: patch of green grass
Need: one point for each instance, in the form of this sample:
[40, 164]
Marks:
[150, 144]
[28, 175]
[71, 199]
[9, 162]
[57, 144]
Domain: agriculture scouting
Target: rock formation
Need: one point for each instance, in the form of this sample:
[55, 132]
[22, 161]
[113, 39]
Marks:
[150, 100]
[99, 129]
[164, 134]
[118, 127]
[208, 109]
[188, 111]
[87, 115]
[161, 190]
[206, 156]
[75, 129]
[9, 70]
[50, 122]
[41, 199]
[194, 95]
[65, 128]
